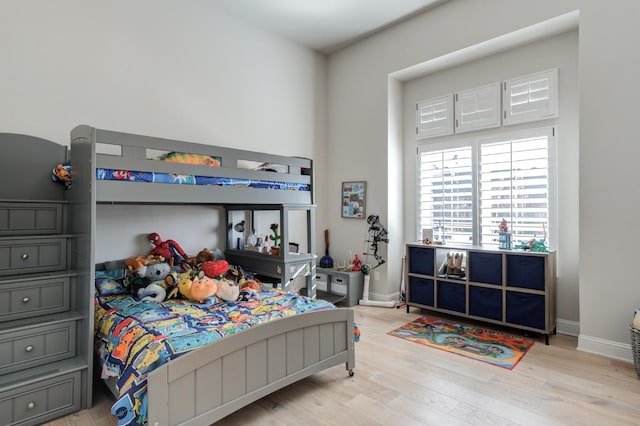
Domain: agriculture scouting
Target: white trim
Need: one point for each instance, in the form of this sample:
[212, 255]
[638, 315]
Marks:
[608, 348]
[569, 328]
[541, 30]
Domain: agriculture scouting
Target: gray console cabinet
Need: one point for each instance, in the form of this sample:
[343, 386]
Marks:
[512, 288]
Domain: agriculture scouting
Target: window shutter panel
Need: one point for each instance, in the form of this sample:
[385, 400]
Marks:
[434, 117]
[514, 181]
[478, 108]
[446, 194]
[530, 98]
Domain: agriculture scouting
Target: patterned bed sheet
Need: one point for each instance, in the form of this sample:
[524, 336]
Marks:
[132, 337]
[170, 178]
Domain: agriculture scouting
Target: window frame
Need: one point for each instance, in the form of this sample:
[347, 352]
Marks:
[475, 142]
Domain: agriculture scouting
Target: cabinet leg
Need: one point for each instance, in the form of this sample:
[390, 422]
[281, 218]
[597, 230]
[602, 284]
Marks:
[546, 339]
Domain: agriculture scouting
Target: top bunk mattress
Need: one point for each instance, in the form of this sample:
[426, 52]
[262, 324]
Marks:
[128, 168]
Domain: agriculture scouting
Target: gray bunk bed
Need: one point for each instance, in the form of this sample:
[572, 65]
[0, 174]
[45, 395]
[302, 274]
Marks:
[257, 361]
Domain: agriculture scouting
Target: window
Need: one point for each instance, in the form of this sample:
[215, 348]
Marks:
[466, 191]
[446, 194]
[478, 108]
[530, 98]
[434, 117]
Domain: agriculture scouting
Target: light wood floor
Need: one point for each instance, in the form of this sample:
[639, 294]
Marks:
[400, 382]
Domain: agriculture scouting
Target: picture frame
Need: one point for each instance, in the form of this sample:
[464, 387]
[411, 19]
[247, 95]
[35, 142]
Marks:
[353, 204]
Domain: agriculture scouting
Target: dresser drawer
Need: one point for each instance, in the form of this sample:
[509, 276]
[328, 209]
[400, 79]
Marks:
[30, 218]
[32, 298]
[41, 401]
[30, 255]
[36, 346]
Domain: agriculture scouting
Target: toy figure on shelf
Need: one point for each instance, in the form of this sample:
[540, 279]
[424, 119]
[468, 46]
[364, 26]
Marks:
[504, 226]
[275, 237]
[356, 264]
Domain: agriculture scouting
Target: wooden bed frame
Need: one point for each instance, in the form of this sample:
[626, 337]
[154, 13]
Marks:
[209, 383]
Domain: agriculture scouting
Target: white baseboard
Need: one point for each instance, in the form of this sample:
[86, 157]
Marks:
[608, 348]
[570, 328]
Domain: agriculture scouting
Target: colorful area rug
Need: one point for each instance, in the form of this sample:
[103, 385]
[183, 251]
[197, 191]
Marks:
[485, 345]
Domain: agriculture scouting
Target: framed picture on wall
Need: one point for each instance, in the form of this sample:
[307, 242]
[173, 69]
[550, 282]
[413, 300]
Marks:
[353, 199]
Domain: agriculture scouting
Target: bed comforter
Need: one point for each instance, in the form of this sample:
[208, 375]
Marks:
[133, 337]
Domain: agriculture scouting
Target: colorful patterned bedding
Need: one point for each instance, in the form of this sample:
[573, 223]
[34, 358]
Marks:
[151, 177]
[132, 337]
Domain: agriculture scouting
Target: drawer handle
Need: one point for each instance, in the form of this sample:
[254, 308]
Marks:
[28, 348]
[25, 300]
[31, 405]
[25, 256]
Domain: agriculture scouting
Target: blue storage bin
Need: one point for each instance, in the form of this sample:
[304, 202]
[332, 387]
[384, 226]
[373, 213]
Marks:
[421, 291]
[525, 271]
[526, 309]
[421, 260]
[485, 302]
[452, 296]
[485, 267]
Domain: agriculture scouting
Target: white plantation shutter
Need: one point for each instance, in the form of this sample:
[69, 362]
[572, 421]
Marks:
[464, 192]
[515, 184]
[434, 117]
[530, 98]
[478, 108]
[446, 194]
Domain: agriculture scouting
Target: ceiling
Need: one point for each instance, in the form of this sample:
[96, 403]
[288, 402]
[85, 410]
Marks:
[325, 25]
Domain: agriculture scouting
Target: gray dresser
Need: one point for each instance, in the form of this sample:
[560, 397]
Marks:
[44, 369]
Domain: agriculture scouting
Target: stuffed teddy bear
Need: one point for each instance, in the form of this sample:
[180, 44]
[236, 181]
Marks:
[204, 255]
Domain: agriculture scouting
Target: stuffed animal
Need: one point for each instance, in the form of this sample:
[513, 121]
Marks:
[154, 292]
[227, 291]
[153, 285]
[204, 255]
[250, 285]
[215, 269]
[173, 279]
[168, 249]
[62, 174]
[203, 288]
[184, 287]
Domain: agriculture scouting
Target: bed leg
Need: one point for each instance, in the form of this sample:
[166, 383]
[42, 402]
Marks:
[351, 373]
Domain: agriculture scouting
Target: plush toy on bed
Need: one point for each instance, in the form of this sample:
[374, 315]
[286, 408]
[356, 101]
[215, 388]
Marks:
[204, 255]
[228, 291]
[153, 285]
[198, 290]
[168, 249]
[215, 269]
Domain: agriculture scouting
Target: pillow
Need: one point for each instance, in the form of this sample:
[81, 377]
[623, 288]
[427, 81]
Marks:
[106, 286]
[116, 274]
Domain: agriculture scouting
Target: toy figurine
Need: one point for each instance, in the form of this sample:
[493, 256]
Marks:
[168, 249]
[356, 265]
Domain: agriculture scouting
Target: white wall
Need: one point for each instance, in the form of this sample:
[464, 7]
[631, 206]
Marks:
[561, 52]
[608, 69]
[182, 70]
